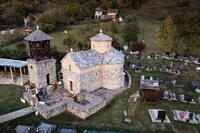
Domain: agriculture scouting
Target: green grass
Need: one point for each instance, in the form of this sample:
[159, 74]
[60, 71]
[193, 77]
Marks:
[10, 98]
[111, 117]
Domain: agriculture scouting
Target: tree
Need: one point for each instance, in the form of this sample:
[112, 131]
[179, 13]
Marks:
[69, 40]
[188, 31]
[180, 34]
[47, 20]
[130, 31]
[165, 34]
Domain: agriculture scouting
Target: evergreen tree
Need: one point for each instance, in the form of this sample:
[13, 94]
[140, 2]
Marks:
[165, 34]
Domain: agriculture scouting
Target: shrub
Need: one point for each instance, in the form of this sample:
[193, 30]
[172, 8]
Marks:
[138, 47]
[21, 45]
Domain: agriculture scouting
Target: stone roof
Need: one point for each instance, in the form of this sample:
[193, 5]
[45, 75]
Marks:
[101, 37]
[90, 58]
[38, 35]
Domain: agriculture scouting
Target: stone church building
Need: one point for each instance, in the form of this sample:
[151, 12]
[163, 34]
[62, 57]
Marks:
[99, 67]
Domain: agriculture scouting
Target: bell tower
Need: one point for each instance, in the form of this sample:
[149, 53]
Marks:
[41, 65]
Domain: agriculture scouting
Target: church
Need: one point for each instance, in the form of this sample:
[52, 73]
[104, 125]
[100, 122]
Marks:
[91, 78]
[99, 67]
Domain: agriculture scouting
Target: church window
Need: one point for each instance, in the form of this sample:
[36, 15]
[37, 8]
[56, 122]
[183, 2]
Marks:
[70, 68]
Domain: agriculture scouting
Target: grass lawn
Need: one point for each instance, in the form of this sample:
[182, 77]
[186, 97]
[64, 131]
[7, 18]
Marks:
[80, 33]
[10, 98]
[111, 117]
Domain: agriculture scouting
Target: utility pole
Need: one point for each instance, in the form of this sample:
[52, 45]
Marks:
[143, 32]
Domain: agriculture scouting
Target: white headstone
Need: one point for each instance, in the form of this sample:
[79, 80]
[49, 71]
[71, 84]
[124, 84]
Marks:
[120, 19]
[126, 47]
[71, 50]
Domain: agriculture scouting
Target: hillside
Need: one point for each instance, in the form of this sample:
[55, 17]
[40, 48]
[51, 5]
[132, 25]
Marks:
[159, 9]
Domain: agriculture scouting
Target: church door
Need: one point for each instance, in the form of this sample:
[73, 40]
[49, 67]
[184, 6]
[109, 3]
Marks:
[71, 85]
[48, 79]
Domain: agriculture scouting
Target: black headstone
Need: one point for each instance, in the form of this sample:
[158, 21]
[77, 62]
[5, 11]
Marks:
[161, 115]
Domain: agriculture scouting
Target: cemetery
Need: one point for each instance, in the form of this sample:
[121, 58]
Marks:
[79, 78]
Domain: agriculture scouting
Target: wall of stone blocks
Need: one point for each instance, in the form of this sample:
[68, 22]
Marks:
[39, 69]
[91, 80]
[101, 46]
[112, 76]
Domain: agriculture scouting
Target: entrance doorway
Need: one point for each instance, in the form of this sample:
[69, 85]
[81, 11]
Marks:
[48, 79]
[71, 85]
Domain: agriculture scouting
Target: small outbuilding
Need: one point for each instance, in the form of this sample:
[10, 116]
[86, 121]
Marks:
[45, 128]
[67, 130]
[149, 88]
[22, 129]
[12, 67]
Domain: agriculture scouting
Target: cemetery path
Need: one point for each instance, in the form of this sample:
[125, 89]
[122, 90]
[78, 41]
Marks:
[16, 114]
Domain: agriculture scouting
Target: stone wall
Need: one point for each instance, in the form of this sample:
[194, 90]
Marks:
[71, 76]
[70, 73]
[85, 114]
[112, 76]
[101, 46]
[39, 69]
[91, 80]
[51, 111]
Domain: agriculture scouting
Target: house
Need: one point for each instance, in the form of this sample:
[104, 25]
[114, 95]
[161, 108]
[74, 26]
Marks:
[149, 88]
[99, 67]
[111, 14]
[27, 30]
[98, 12]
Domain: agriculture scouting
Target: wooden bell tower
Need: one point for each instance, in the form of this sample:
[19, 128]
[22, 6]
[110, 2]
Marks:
[41, 65]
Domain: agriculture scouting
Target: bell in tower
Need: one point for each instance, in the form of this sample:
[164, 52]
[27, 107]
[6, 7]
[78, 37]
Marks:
[41, 65]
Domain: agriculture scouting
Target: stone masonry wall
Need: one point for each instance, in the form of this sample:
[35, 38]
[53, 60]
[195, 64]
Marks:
[71, 76]
[39, 69]
[101, 46]
[91, 80]
[112, 76]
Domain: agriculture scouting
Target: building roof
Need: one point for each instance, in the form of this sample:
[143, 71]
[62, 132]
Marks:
[98, 9]
[38, 35]
[67, 130]
[12, 63]
[22, 129]
[112, 11]
[90, 58]
[101, 37]
[46, 127]
[96, 131]
[148, 83]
